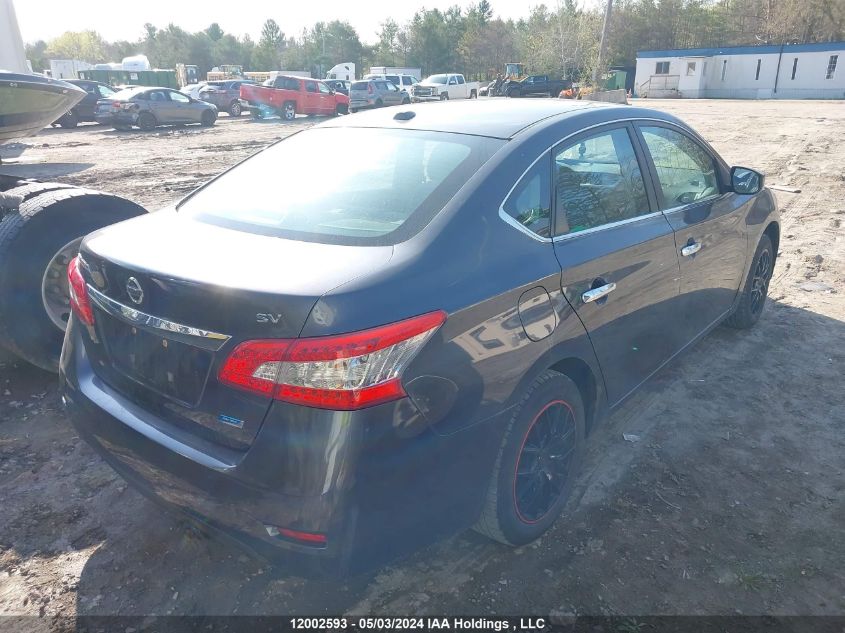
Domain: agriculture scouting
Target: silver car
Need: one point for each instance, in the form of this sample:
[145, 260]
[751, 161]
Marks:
[375, 93]
[147, 108]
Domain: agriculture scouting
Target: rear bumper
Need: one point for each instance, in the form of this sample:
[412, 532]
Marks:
[362, 103]
[377, 482]
[112, 118]
[231, 491]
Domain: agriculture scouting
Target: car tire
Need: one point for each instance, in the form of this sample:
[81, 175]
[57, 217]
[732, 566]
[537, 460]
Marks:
[208, 118]
[122, 127]
[406, 100]
[34, 242]
[512, 93]
[69, 120]
[341, 109]
[756, 288]
[379, 103]
[146, 121]
[444, 96]
[515, 513]
[289, 111]
[353, 110]
[473, 94]
[236, 109]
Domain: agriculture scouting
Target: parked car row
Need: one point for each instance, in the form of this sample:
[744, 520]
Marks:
[284, 95]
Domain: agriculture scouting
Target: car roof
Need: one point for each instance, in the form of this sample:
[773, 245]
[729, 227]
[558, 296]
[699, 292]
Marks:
[498, 118]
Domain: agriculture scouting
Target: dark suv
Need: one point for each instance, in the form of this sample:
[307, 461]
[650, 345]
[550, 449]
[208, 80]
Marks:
[358, 365]
[84, 110]
[226, 95]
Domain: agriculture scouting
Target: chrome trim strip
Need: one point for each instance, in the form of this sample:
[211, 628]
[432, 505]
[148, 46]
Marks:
[507, 218]
[512, 221]
[684, 207]
[207, 339]
[612, 225]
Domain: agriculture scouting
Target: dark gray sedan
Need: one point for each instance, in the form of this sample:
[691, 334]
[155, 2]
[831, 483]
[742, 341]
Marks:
[226, 95]
[147, 108]
[354, 366]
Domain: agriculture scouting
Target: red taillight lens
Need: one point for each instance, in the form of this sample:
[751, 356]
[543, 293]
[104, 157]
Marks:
[344, 372]
[79, 301]
[314, 539]
[370, 88]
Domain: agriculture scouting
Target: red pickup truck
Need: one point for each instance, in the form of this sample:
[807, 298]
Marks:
[289, 96]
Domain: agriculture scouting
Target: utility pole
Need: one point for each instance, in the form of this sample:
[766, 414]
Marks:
[603, 46]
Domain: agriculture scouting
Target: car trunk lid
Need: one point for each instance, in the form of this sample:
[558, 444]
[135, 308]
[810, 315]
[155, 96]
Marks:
[173, 297]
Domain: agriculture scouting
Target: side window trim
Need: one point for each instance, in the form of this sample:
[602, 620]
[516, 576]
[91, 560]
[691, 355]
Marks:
[508, 219]
[652, 169]
[645, 170]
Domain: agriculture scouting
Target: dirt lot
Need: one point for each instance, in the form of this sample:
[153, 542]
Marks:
[732, 501]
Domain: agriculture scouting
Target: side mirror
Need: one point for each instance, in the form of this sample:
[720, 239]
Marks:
[746, 181]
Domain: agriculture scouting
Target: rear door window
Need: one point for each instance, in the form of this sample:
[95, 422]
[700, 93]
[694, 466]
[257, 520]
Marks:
[529, 204]
[311, 86]
[178, 97]
[598, 181]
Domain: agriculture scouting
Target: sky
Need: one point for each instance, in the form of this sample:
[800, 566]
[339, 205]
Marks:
[124, 20]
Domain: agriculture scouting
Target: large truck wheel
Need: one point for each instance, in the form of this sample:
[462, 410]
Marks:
[37, 241]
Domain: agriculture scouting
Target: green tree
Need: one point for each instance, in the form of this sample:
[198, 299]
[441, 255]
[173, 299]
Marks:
[36, 54]
[86, 46]
[268, 54]
[214, 32]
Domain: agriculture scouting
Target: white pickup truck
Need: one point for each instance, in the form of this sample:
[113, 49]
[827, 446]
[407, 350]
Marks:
[443, 87]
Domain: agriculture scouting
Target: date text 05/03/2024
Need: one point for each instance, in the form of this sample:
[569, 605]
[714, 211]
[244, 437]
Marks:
[419, 624]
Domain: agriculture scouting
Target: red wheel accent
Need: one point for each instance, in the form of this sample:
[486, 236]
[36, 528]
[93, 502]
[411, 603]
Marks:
[519, 458]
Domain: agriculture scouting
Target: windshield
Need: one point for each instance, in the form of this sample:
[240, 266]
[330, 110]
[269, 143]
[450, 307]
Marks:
[382, 194]
[438, 79]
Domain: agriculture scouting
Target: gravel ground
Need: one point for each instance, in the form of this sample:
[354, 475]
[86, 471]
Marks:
[731, 501]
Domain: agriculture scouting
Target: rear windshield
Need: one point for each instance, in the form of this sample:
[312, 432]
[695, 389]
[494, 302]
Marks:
[360, 85]
[438, 79]
[343, 185]
[128, 93]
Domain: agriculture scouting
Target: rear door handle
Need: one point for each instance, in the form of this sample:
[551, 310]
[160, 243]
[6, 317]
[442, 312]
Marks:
[597, 293]
[691, 249]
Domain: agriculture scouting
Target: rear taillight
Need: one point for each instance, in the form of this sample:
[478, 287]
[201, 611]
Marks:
[370, 88]
[79, 301]
[344, 372]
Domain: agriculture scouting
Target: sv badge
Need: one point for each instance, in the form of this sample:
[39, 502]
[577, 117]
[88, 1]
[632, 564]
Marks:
[262, 317]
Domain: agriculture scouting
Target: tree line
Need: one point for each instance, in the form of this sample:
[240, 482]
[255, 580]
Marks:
[562, 40]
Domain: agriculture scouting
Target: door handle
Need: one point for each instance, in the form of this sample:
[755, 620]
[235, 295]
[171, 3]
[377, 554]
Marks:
[691, 249]
[597, 293]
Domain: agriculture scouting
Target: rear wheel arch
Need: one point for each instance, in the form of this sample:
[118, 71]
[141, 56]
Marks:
[580, 373]
[575, 360]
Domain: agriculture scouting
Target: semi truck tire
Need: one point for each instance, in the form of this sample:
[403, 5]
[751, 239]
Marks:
[37, 241]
